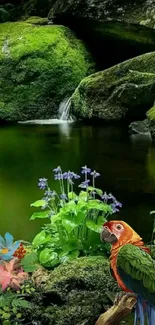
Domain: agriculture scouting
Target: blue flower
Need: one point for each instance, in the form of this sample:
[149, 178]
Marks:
[85, 170]
[58, 176]
[8, 247]
[95, 174]
[70, 175]
[112, 197]
[63, 196]
[115, 206]
[105, 197]
[42, 183]
[50, 193]
[57, 170]
[84, 184]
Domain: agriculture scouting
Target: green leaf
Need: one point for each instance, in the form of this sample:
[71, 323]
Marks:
[30, 262]
[69, 224]
[56, 218]
[65, 256]
[41, 238]
[98, 205]
[93, 226]
[97, 190]
[83, 195]
[21, 303]
[152, 212]
[72, 195]
[40, 215]
[48, 258]
[38, 204]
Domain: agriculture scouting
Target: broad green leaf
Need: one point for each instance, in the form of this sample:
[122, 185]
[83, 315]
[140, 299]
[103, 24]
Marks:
[101, 220]
[38, 204]
[41, 238]
[152, 212]
[79, 218]
[65, 257]
[93, 226]
[56, 218]
[69, 207]
[72, 195]
[98, 205]
[69, 224]
[40, 215]
[83, 195]
[97, 190]
[48, 258]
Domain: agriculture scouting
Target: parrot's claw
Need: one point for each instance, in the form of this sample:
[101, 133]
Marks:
[120, 295]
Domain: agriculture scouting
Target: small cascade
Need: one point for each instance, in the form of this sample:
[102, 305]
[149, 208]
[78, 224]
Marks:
[64, 110]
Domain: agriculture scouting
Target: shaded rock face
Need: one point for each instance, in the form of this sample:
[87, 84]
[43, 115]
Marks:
[139, 127]
[123, 92]
[39, 67]
[74, 293]
[134, 11]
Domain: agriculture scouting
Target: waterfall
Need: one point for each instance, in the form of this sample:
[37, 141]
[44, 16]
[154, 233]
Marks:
[64, 110]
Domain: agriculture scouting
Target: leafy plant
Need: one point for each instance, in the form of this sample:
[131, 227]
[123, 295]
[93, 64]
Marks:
[75, 219]
[11, 275]
[30, 262]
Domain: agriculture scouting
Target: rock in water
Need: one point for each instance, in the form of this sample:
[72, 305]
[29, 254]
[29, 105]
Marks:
[123, 92]
[139, 127]
[44, 66]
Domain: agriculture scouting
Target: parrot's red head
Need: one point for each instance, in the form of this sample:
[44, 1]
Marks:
[119, 233]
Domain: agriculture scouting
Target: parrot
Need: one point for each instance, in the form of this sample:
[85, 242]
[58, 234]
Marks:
[132, 267]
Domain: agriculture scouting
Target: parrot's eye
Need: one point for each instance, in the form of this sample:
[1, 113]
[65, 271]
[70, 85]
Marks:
[119, 227]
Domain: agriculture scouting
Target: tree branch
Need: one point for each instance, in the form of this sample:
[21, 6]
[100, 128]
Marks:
[117, 313]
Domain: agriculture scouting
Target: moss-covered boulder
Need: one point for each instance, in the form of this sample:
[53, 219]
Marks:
[73, 294]
[123, 92]
[39, 67]
[133, 11]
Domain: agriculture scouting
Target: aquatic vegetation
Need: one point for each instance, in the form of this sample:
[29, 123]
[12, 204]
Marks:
[11, 275]
[75, 220]
[8, 247]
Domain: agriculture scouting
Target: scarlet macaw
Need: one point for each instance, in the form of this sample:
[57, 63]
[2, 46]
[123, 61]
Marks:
[132, 267]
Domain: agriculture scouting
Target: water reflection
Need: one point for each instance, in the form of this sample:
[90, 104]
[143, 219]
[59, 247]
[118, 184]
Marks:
[28, 152]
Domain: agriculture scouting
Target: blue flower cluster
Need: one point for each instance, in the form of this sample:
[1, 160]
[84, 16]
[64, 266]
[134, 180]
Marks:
[69, 177]
[115, 205]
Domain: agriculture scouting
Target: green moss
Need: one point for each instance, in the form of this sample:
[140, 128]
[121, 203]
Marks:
[78, 293]
[151, 113]
[39, 67]
[125, 91]
[37, 20]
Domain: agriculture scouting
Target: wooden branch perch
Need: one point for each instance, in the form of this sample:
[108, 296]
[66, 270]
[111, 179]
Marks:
[116, 313]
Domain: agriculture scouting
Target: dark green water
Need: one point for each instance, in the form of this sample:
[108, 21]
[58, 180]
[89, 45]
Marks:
[127, 165]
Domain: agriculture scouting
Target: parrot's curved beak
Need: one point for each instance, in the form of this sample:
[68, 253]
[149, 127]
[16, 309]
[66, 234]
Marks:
[108, 236]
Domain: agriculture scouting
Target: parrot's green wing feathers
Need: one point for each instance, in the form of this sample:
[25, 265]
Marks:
[137, 270]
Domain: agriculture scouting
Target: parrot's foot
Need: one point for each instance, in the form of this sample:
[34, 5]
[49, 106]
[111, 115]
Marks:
[120, 295]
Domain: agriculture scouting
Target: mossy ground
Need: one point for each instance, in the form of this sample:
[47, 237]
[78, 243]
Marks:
[39, 67]
[73, 294]
[125, 91]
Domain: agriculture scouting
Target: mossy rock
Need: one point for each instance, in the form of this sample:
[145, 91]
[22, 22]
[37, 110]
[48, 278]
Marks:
[75, 293]
[37, 20]
[123, 92]
[132, 11]
[39, 67]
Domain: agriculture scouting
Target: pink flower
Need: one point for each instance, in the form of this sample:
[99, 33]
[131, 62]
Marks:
[11, 275]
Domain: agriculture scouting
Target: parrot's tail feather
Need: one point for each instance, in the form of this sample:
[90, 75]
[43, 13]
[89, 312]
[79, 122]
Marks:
[144, 308]
[150, 314]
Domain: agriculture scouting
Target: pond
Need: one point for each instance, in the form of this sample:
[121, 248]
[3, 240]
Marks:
[28, 152]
